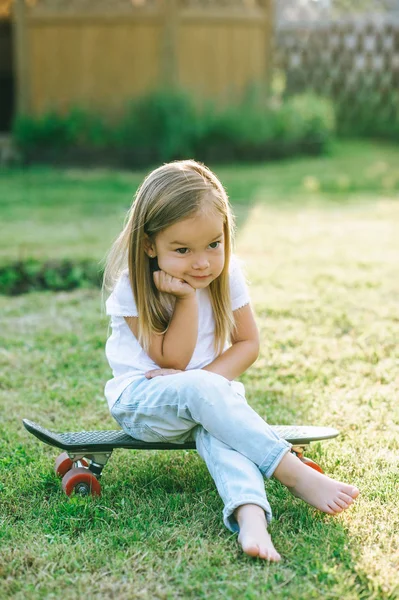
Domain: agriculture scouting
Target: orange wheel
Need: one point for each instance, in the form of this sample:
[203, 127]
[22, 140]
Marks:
[82, 482]
[63, 464]
[311, 463]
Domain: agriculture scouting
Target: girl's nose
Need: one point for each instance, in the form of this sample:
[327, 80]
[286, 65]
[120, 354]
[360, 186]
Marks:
[201, 262]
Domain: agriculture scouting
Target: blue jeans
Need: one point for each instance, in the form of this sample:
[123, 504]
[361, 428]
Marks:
[237, 445]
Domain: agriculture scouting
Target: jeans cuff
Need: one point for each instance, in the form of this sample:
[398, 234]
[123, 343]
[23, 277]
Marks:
[272, 460]
[228, 513]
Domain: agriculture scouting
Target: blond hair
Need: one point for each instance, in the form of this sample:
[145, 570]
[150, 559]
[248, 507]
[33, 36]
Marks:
[175, 191]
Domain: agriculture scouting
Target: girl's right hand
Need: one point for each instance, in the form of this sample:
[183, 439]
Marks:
[171, 285]
[161, 373]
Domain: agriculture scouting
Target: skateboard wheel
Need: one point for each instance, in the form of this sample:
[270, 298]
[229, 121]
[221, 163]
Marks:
[311, 463]
[63, 464]
[82, 482]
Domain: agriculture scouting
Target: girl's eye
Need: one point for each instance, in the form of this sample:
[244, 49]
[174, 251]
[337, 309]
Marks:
[182, 250]
[215, 245]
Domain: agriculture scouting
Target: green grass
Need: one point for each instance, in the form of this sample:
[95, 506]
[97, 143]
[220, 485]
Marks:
[76, 214]
[323, 266]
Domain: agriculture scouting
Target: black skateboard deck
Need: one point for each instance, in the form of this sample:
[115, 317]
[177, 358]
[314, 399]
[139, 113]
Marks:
[87, 452]
[105, 441]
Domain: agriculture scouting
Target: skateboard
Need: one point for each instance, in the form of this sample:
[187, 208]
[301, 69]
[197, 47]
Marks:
[87, 452]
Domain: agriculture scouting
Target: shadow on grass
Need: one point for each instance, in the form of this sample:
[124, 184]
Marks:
[159, 503]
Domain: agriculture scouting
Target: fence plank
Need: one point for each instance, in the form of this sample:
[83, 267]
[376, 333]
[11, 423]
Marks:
[21, 40]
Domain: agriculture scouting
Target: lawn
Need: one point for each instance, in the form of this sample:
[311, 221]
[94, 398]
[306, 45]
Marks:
[320, 238]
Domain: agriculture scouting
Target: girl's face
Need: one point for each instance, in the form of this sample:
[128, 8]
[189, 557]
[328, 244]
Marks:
[192, 249]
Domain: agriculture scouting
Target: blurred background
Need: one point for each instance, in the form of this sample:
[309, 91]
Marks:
[129, 84]
[135, 82]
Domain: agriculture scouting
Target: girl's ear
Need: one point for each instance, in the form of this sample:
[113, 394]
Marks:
[149, 247]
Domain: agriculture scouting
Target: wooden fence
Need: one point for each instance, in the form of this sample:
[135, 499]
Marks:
[101, 53]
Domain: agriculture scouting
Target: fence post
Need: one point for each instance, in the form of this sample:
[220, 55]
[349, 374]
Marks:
[21, 50]
[169, 45]
[270, 24]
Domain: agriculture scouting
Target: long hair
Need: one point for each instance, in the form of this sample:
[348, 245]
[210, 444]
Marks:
[174, 191]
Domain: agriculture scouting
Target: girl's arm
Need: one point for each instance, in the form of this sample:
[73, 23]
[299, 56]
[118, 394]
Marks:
[244, 349]
[174, 349]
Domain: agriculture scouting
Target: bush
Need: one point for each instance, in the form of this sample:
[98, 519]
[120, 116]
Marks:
[158, 128]
[50, 130]
[235, 133]
[306, 122]
[168, 125]
[257, 130]
[21, 277]
[372, 115]
[78, 128]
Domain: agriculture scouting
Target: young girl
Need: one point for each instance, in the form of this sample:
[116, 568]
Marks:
[182, 332]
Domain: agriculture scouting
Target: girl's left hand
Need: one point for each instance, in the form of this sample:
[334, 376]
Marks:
[161, 372]
[172, 285]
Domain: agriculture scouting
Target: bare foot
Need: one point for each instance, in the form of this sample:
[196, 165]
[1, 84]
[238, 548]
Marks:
[316, 489]
[254, 537]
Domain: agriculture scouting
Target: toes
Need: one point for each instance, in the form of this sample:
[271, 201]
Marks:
[260, 551]
[350, 490]
[251, 549]
[335, 506]
[330, 508]
[275, 557]
[342, 503]
[269, 554]
[345, 498]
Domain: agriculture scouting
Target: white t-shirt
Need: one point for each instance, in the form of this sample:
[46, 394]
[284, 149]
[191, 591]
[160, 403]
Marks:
[127, 358]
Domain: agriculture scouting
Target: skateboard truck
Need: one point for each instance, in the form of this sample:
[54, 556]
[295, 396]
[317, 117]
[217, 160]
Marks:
[298, 451]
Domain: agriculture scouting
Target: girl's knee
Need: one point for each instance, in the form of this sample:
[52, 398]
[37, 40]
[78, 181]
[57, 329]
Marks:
[204, 379]
[204, 385]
